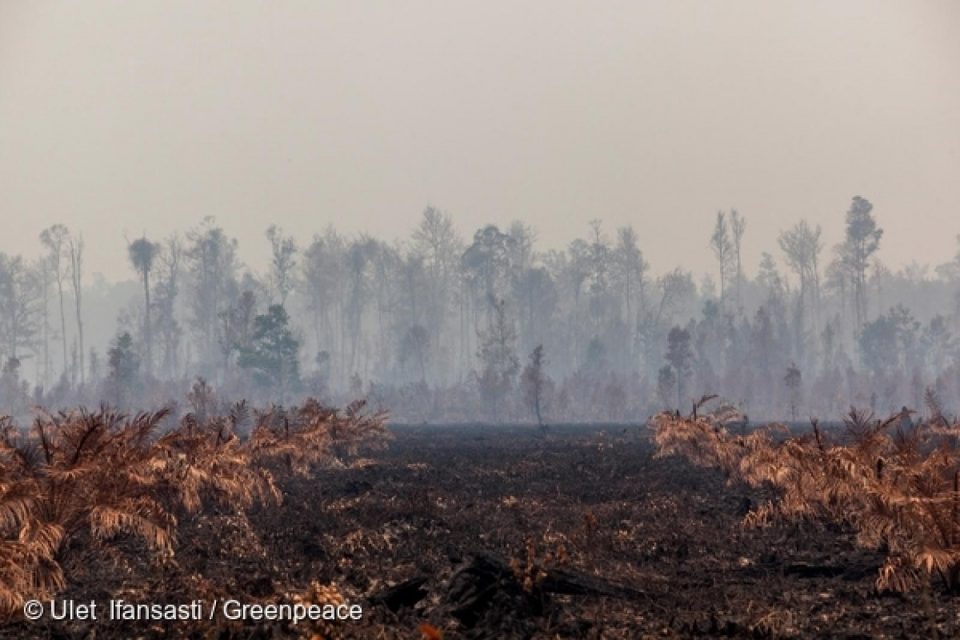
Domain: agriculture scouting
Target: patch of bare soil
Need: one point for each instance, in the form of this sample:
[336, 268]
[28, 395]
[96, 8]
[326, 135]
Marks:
[494, 532]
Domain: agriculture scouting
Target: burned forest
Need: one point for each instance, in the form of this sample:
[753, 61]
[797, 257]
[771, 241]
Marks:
[530, 320]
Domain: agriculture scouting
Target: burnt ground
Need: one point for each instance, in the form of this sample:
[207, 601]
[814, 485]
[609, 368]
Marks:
[447, 523]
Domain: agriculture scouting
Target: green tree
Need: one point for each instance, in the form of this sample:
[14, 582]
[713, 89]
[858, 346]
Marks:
[124, 368]
[273, 354]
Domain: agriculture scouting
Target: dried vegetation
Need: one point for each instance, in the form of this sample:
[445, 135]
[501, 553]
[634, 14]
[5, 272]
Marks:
[894, 483]
[77, 481]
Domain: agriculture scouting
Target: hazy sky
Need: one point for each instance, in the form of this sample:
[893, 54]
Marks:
[131, 117]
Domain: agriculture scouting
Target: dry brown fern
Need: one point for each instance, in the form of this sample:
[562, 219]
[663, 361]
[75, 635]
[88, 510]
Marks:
[900, 491]
[103, 474]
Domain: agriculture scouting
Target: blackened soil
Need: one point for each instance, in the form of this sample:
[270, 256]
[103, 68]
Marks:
[496, 532]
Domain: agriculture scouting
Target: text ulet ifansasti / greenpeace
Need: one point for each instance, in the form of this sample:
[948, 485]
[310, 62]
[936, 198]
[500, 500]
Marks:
[228, 609]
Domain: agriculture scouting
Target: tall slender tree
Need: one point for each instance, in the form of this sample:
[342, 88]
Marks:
[801, 246]
[142, 255]
[722, 248]
[211, 266]
[534, 382]
[862, 241]
[75, 254]
[54, 238]
[43, 269]
[738, 226]
[436, 241]
[165, 295]
[631, 271]
[283, 263]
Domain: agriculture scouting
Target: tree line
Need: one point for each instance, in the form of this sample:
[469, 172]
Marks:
[438, 327]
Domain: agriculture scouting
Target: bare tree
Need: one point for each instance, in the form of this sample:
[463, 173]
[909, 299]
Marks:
[210, 258]
[323, 268]
[54, 238]
[534, 382]
[283, 262]
[722, 248]
[631, 271]
[802, 245]
[166, 291]
[436, 241]
[43, 269]
[837, 280]
[75, 245]
[738, 225]
[359, 260]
